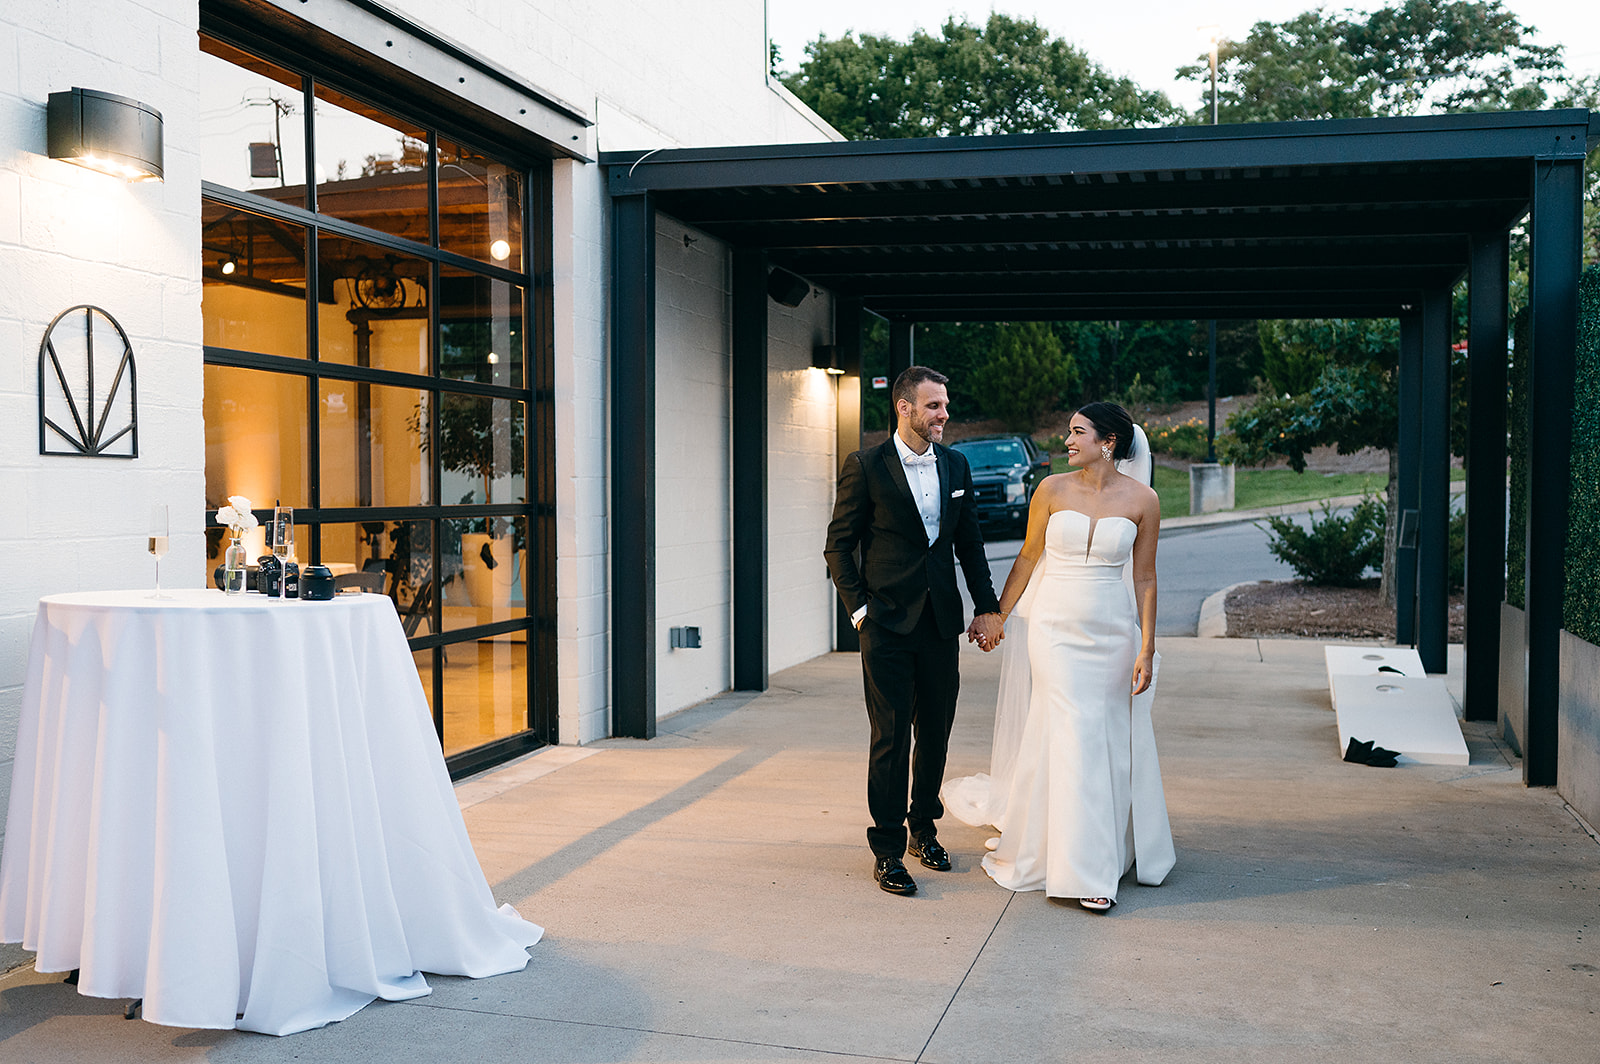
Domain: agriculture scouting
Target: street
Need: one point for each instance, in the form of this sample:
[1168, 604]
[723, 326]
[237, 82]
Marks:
[1191, 563]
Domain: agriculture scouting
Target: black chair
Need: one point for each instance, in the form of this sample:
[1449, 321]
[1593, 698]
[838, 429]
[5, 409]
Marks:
[370, 582]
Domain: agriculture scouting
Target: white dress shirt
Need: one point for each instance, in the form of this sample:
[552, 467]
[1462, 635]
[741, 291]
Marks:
[922, 477]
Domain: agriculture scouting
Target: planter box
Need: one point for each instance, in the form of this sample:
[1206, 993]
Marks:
[1210, 487]
[1513, 663]
[1578, 727]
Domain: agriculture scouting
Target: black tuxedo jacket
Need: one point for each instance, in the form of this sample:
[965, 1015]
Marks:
[899, 573]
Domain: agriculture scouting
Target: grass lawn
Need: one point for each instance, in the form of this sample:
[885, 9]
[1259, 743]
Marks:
[1255, 488]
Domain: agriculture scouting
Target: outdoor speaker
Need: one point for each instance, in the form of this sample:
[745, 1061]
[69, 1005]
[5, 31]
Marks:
[786, 288]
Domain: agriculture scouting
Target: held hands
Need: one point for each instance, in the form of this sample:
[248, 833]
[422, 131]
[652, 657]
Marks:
[986, 630]
[1144, 671]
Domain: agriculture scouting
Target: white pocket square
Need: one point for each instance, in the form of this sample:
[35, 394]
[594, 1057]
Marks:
[958, 493]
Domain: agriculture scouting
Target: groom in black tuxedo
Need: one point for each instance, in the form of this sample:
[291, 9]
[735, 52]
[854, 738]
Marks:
[908, 507]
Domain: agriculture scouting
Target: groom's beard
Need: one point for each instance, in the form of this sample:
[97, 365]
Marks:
[925, 428]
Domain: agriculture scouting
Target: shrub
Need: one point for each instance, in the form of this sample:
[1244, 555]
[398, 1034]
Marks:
[1186, 439]
[1336, 549]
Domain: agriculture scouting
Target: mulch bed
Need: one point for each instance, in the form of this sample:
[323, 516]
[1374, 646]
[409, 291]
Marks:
[1277, 608]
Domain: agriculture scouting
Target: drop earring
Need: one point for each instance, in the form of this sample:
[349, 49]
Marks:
[1105, 451]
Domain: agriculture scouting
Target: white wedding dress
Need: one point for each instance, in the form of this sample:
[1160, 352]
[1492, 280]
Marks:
[1074, 784]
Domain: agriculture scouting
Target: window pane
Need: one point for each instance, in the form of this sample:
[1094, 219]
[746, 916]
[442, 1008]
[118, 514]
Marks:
[255, 440]
[485, 691]
[372, 445]
[371, 168]
[480, 449]
[484, 559]
[373, 309]
[424, 660]
[253, 296]
[406, 550]
[359, 548]
[480, 206]
[480, 329]
[251, 128]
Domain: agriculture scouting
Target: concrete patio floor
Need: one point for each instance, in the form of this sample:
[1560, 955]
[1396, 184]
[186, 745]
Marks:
[708, 897]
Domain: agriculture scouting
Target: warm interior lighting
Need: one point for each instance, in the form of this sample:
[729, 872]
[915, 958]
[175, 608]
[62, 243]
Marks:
[494, 359]
[228, 266]
[500, 251]
[105, 133]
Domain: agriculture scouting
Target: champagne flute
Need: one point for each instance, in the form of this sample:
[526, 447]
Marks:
[156, 543]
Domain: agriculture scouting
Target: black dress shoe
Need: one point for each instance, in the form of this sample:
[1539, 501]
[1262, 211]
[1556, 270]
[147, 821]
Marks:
[930, 853]
[892, 876]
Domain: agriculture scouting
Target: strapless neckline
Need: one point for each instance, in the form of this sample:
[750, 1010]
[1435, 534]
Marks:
[1094, 522]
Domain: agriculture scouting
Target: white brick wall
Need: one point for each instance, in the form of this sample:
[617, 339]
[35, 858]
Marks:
[652, 74]
[583, 457]
[69, 236]
[684, 72]
[693, 465]
[801, 473]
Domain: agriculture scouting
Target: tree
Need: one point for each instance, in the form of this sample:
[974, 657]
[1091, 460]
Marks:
[1439, 55]
[1353, 403]
[1026, 374]
[1007, 76]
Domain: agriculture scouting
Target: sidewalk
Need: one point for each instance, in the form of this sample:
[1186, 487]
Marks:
[708, 897]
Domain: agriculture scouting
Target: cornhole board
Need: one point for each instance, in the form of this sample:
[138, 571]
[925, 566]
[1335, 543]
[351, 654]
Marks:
[1371, 661]
[1406, 711]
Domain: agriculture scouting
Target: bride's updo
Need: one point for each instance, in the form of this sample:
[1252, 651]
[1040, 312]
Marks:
[1109, 419]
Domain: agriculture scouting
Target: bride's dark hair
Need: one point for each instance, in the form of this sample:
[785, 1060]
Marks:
[1109, 419]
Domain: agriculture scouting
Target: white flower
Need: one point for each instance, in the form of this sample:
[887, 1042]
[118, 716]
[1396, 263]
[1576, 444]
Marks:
[236, 515]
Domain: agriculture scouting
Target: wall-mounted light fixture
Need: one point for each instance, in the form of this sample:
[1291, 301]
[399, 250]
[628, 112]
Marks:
[110, 134]
[826, 358]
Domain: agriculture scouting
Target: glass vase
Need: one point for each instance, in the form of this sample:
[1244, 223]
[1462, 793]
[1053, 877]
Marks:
[235, 566]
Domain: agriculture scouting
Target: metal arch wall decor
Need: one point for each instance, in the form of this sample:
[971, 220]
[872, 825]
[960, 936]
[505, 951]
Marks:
[83, 345]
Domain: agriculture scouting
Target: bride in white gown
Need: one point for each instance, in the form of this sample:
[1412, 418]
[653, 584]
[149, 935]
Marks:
[1074, 785]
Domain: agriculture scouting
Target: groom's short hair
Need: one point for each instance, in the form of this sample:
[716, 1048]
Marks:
[905, 385]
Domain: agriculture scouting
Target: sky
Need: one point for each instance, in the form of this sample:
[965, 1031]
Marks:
[1146, 40]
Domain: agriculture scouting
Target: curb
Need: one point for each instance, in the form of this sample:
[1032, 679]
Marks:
[1214, 612]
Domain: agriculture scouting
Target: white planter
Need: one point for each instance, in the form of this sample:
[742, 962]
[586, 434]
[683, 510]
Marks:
[488, 586]
[1210, 487]
[1513, 663]
[1578, 727]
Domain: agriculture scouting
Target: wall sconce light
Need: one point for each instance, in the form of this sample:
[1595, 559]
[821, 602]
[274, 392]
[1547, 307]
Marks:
[109, 134]
[826, 358]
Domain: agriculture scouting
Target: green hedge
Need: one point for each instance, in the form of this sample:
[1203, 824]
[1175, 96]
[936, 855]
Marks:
[1581, 615]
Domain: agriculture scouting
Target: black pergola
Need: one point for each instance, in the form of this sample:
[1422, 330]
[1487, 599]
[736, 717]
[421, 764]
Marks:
[1361, 219]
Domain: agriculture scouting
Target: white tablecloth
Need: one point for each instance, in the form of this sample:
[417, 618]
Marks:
[236, 809]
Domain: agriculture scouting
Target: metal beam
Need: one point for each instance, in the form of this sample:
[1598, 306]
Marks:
[1125, 311]
[1241, 150]
[823, 266]
[1151, 224]
[749, 443]
[1409, 458]
[1488, 186]
[1487, 336]
[1433, 485]
[902, 354]
[849, 320]
[1554, 248]
[1168, 283]
[633, 468]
